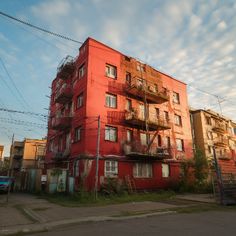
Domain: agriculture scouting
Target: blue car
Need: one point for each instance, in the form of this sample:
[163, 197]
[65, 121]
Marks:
[5, 183]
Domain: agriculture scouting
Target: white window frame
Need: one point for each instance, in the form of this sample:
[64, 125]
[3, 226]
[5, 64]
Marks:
[142, 170]
[144, 139]
[111, 133]
[165, 170]
[111, 100]
[176, 98]
[180, 145]
[80, 100]
[129, 135]
[111, 169]
[178, 120]
[78, 133]
[111, 71]
[81, 71]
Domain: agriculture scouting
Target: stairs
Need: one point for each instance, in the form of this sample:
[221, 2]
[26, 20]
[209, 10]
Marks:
[130, 184]
[225, 182]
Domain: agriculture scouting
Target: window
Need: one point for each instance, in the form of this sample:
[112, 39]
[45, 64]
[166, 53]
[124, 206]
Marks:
[111, 71]
[110, 133]
[178, 120]
[159, 140]
[208, 120]
[80, 99]
[210, 135]
[128, 77]
[128, 105]
[111, 169]
[111, 100]
[78, 134]
[166, 115]
[129, 135]
[140, 67]
[141, 112]
[76, 168]
[180, 145]
[157, 112]
[209, 149]
[81, 71]
[144, 138]
[165, 170]
[142, 170]
[167, 142]
[176, 98]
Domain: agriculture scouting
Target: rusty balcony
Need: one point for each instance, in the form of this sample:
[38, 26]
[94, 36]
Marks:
[135, 149]
[143, 89]
[61, 123]
[218, 127]
[64, 94]
[220, 142]
[66, 68]
[135, 120]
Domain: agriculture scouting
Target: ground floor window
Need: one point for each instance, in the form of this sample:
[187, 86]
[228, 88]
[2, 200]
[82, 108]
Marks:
[165, 170]
[142, 170]
[111, 169]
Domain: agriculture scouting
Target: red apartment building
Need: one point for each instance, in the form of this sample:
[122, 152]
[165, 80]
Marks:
[144, 120]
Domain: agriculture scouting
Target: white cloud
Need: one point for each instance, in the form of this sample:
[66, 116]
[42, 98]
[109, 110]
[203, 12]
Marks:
[222, 25]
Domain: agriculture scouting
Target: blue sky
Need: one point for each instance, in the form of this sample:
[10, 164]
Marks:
[192, 40]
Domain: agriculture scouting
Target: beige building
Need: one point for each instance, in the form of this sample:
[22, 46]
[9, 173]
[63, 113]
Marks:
[1, 152]
[28, 154]
[210, 130]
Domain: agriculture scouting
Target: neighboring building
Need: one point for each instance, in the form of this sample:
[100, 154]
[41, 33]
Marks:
[28, 154]
[213, 130]
[1, 153]
[144, 119]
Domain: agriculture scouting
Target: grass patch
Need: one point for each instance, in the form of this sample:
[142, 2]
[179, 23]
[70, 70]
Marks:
[87, 199]
[204, 208]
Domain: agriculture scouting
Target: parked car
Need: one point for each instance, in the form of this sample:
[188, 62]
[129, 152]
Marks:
[6, 182]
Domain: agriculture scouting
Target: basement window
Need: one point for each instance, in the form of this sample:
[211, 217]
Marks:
[142, 170]
[165, 170]
[111, 169]
[111, 71]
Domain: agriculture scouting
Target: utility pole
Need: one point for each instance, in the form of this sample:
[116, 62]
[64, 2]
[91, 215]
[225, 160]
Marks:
[9, 173]
[97, 158]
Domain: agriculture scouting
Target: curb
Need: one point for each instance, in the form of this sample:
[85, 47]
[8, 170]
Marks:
[34, 228]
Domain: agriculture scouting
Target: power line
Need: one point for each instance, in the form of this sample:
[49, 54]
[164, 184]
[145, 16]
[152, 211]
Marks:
[23, 112]
[9, 76]
[40, 28]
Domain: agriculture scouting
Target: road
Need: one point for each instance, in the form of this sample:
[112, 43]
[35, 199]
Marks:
[205, 223]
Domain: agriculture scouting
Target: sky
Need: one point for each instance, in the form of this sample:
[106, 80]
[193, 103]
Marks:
[192, 40]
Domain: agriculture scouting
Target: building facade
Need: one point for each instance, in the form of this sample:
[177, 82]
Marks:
[28, 154]
[141, 113]
[211, 129]
[1, 153]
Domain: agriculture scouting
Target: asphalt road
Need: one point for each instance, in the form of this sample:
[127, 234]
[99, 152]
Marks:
[205, 223]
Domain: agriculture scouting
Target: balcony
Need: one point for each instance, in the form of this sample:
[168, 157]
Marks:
[17, 156]
[61, 155]
[136, 149]
[66, 68]
[61, 123]
[146, 90]
[218, 128]
[135, 120]
[220, 142]
[64, 94]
